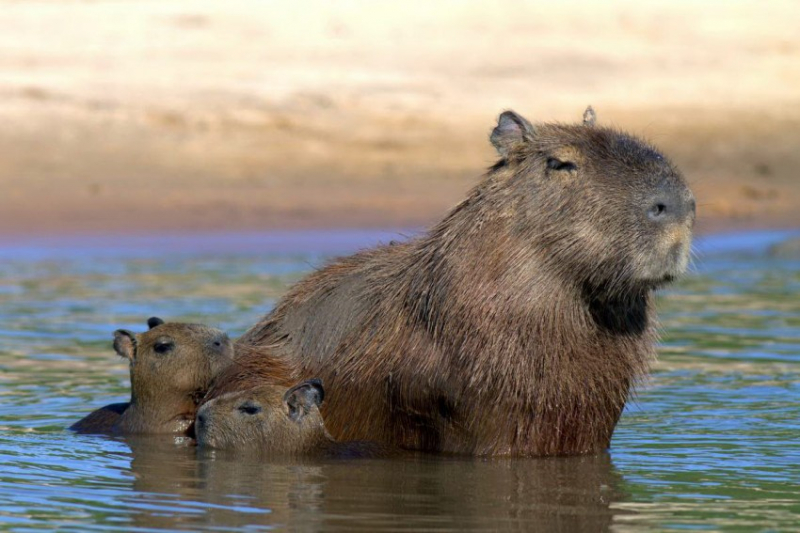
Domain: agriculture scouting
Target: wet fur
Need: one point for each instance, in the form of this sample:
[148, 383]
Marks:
[517, 325]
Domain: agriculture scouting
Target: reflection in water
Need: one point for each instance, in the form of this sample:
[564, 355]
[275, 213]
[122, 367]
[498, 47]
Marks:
[415, 492]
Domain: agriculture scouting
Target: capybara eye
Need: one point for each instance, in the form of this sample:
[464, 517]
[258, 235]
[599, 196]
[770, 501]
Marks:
[163, 347]
[657, 210]
[250, 408]
[557, 164]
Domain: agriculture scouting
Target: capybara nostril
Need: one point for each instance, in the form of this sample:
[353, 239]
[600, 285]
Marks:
[220, 344]
[669, 206]
[202, 419]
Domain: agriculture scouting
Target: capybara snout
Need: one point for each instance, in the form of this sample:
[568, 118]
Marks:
[671, 203]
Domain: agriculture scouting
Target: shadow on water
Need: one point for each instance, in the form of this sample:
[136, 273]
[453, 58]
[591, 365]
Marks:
[413, 493]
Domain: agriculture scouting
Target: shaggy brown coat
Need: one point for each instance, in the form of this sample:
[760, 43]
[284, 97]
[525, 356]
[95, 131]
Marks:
[517, 325]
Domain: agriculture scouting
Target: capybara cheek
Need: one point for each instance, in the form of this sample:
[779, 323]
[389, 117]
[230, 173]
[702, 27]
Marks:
[208, 435]
[220, 361]
[592, 244]
[189, 380]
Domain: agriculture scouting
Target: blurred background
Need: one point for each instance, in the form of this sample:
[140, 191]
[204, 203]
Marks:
[140, 116]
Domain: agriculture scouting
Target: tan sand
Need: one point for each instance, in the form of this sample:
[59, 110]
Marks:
[130, 116]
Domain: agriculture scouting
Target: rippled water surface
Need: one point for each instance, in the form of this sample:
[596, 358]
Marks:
[712, 443]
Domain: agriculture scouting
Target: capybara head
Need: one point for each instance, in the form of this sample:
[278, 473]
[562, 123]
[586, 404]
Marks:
[173, 360]
[265, 420]
[591, 201]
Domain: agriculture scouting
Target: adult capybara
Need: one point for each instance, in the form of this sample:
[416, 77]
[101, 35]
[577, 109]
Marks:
[517, 325]
[270, 421]
[172, 366]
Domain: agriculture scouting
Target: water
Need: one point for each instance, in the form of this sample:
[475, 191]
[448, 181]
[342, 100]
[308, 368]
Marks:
[712, 443]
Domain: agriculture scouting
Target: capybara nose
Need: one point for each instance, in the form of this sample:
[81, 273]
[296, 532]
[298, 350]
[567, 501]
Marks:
[202, 418]
[221, 340]
[671, 206]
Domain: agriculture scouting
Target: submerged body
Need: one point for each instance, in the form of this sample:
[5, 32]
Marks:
[172, 366]
[516, 326]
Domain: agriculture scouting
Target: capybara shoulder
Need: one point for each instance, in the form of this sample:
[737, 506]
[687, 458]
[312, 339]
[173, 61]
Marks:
[520, 323]
[273, 421]
[171, 368]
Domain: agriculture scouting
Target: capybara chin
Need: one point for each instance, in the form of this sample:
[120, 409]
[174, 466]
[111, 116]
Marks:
[518, 324]
[272, 421]
[172, 366]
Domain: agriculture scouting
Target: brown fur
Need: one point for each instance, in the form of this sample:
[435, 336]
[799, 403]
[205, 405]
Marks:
[270, 421]
[517, 325]
[248, 371]
[166, 386]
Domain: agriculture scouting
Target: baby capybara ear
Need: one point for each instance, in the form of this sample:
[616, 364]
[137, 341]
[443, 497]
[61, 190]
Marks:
[125, 344]
[512, 130]
[154, 321]
[589, 117]
[302, 397]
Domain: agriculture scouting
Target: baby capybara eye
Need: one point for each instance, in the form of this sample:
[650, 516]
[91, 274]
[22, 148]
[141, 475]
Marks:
[163, 347]
[557, 164]
[250, 408]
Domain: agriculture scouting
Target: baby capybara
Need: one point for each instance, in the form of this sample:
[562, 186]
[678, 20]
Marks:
[171, 368]
[270, 421]
[517, 325]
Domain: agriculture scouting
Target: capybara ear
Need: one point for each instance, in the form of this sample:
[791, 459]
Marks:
[125, 344]
[512, 129]
[302, 397]
[589, 117]
[154, 321]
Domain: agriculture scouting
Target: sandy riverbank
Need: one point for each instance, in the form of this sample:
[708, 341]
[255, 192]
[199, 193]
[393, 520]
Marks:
[148, 116]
